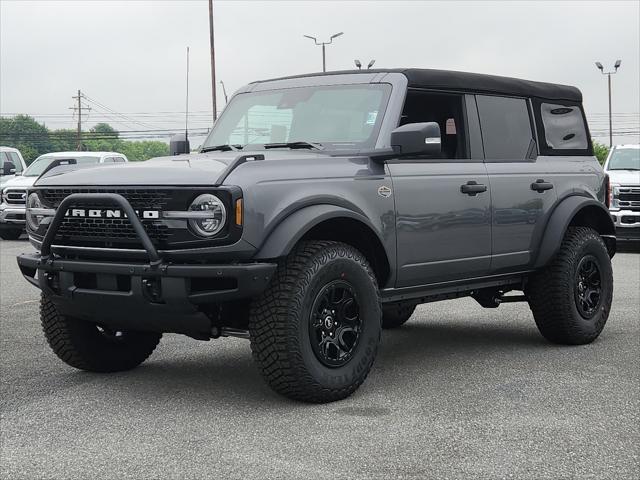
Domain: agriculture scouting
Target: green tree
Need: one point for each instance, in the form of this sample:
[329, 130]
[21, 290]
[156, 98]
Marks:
[139, 151]
[63, 140]
[25, 134]
[600, 151]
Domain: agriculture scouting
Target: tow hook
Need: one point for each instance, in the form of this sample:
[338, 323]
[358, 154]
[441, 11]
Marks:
[151, 289]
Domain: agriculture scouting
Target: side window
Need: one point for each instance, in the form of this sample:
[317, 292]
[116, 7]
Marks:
[107, 160]
[16, 161]
[118, 159]
[506, 128]
[4, 157]
[447, 111]
[564, 127]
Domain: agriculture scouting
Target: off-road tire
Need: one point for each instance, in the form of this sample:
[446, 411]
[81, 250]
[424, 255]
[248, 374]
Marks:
[395, 315]
[82, 345]
[552, 291]
[10, 234]
[280, 325]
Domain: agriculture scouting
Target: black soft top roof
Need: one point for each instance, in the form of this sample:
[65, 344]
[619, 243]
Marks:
[473, 82]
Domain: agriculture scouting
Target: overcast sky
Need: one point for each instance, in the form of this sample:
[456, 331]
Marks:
[130, 56]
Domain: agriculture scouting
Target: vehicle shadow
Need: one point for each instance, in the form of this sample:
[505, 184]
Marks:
[229, 377]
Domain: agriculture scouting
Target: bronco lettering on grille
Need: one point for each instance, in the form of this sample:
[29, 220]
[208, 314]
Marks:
[108, 213]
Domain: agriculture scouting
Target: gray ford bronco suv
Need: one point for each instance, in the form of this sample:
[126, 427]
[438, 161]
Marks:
[321, 209]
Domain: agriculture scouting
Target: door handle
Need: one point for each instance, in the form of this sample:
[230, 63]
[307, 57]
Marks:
[472, 188]
[540, 185]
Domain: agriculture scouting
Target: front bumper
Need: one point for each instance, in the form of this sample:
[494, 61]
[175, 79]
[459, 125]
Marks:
[627, 223]
[12, 216]
[143, 296]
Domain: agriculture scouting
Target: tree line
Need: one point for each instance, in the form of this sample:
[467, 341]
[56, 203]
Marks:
[34, 139]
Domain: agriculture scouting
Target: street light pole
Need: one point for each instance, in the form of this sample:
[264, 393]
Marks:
[324, 44]
[608, 74]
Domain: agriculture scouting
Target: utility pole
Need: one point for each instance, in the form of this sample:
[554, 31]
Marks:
[213, 62]
[324, 44]
[79, 109]
[608, 74]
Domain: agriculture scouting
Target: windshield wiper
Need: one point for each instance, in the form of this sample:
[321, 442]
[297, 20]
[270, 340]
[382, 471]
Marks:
[222, 148]
[626, 169]
[294, 145]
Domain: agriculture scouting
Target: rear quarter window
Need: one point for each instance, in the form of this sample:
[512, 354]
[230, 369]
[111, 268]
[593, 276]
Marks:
[562, 128]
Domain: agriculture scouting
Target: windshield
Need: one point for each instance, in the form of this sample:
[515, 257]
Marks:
[625, 159]
[342, 117]
[39, 164]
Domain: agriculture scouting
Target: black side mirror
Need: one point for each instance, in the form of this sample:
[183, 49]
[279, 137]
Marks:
[417, 139]
[8, 168]
[179, 144]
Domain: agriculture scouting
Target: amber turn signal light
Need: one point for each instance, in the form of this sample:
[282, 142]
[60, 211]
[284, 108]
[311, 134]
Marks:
[239, 211]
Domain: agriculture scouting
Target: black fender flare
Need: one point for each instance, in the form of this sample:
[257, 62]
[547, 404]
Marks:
[562, 217]
[289, 231]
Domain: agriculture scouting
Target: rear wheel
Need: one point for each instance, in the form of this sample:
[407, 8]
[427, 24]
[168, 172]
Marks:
[571, 297]
[95, 348]
[315, 330]
[10, 233]
[396, 314]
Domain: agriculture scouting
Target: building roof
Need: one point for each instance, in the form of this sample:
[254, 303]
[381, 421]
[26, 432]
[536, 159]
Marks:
[473, 82]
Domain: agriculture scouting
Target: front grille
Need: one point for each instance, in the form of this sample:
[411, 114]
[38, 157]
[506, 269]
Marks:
[109, 230]
[629, 198]
[15, 196]
[118, 232]
[112, 231]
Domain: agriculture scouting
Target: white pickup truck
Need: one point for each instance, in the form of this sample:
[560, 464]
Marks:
[623, 168]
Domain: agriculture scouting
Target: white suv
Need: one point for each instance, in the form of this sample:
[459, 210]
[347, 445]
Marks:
[623, 168]
[13, 193]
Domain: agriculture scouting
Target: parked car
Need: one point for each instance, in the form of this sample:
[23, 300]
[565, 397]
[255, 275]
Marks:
[323, 208]
[11, 164]
[14, 192]
[623, 168]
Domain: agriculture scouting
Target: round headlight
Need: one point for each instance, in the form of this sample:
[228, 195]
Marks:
[33, 221]
[209, 215]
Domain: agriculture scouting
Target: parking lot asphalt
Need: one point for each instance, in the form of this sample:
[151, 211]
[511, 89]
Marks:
[458, 392]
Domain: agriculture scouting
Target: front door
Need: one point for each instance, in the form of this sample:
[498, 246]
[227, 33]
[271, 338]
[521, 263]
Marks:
[443, 219]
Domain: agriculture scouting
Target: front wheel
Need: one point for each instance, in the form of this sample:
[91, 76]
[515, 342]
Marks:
[571, 297]
[315, 330]
[91, 347]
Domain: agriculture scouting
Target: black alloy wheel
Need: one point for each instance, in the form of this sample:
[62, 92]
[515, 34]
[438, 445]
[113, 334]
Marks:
[335, 324]
[588, 286]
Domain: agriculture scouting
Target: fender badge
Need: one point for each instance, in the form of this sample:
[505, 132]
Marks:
[384, 191]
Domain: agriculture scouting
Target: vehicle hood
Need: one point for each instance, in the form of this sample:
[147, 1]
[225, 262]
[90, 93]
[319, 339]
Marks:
[192, 169]
[624, 177]
[19, 182]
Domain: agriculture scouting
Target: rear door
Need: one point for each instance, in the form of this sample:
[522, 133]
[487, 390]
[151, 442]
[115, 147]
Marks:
[443, 232]
[522, 189]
